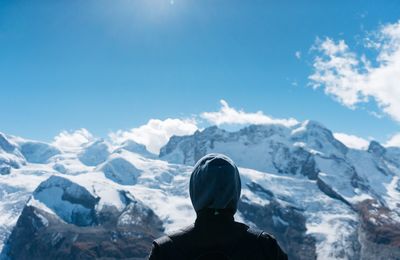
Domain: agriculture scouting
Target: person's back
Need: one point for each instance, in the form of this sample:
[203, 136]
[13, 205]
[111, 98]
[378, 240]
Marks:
[215, 190]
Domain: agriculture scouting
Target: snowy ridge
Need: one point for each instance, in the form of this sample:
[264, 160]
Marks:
[307, 149]
[10, 156]
[317, 196]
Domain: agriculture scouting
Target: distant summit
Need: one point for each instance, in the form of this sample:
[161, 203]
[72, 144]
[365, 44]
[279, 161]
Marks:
[250, 146]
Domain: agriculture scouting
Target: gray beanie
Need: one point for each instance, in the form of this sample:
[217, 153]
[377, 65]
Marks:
[215, 183]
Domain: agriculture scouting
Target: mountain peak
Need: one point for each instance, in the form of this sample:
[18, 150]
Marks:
[313, 124]
[210, 131]
[308, 125]
[5, 144]
[38, 152]
[376, 148]
[135, 147]
[94, 153]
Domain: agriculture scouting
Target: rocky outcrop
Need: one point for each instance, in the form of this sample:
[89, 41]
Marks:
[40, 235]
[326, 189]
[74, 227]
[68, 200]
[376, 251]
[379, 232]
[287, 224]
[294, 161]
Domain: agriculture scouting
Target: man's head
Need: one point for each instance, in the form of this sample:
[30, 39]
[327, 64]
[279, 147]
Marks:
[215, 183]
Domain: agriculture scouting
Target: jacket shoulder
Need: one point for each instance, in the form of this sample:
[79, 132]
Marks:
[268, 244]
[166, 247]
[181, 232]
[162, 241]
[168, 239]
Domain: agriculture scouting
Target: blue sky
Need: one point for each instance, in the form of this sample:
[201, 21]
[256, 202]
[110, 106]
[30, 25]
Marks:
[110, 65]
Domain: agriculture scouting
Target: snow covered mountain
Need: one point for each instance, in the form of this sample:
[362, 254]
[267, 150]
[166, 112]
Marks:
[349, 199]
[320, 198]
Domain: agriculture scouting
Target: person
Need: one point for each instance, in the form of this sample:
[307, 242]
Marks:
[215, 189]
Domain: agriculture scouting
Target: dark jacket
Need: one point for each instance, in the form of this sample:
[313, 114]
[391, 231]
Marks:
[219, 236]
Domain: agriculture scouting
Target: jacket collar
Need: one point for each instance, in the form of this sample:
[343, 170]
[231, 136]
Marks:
[217, 216]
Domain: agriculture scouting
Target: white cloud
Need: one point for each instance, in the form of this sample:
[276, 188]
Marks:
[353, 79]
[352, 141]
[394, 140]
[298, 54]
[375, 114]
[67, 139]
[229, 115]
[156, 133]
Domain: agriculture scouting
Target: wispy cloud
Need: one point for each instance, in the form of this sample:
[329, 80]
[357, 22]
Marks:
[355, 79]
[298, 54]
[156, 133]
[230, 115]
[69, 139]
[394, 140]
[352, 141]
